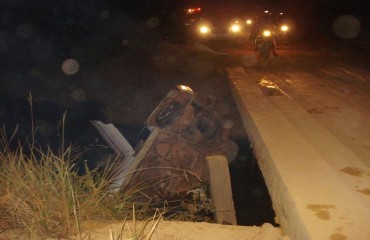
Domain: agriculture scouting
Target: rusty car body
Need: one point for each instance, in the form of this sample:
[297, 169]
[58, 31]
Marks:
[171, 161]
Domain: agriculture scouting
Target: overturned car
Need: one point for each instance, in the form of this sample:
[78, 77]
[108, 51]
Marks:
[172, 160]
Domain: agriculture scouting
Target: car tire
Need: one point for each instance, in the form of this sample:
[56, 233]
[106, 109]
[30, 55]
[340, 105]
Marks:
[168, 114]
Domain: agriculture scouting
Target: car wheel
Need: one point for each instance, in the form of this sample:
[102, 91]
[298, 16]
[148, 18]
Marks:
[168, 114]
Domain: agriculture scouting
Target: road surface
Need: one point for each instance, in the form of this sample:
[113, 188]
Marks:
[308, 119]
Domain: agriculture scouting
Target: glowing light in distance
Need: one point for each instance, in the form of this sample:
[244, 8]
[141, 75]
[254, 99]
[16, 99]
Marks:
[235, 28]
[249, 22]
[284, 28]
[193, 10]
[267, 33]
[204, 29]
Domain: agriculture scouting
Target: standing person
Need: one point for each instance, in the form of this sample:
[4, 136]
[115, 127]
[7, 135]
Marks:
[264, 22]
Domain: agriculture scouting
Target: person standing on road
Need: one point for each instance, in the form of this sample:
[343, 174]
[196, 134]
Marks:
[264, 22]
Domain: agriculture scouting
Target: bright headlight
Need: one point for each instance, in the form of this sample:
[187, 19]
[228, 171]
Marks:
[267, 33]
[284, 28]
[248, 22]
[184, 88]
[204, 29]
[235, 28]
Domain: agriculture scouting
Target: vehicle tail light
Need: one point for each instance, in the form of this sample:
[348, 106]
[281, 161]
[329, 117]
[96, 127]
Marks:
[193, 10]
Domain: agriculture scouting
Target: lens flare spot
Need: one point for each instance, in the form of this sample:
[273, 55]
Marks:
[70, 66]
[153, 22]
[125, 43]
[346, 26]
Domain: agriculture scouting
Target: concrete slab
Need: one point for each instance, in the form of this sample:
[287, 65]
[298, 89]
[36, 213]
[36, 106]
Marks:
[318, 186]
[221, 193]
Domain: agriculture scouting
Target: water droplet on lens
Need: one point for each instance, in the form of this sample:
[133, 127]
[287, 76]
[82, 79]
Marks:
[346, 26]
[153, 22]
[125, 43]
[70, 66]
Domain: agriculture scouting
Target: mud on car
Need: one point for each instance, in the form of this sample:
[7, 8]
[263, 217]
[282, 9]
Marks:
[185, 129]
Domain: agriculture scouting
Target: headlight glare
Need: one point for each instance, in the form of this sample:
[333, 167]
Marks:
[248, 22]
[266, 33]
[235, 28]
[204, 29]
[284, 28]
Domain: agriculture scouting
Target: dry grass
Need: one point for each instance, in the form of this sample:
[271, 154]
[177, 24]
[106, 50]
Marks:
[43, 195]
[42, 192]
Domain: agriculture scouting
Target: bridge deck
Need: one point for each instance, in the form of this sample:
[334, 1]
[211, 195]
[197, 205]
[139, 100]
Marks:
[319, 187]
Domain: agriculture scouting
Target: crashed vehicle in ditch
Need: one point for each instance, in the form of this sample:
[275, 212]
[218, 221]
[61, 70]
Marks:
[185, 128]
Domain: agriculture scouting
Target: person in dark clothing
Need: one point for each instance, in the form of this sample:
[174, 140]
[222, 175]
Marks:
[265, 22]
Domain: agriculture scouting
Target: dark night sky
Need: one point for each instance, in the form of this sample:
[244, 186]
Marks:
[143, 8]
[55, 16]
